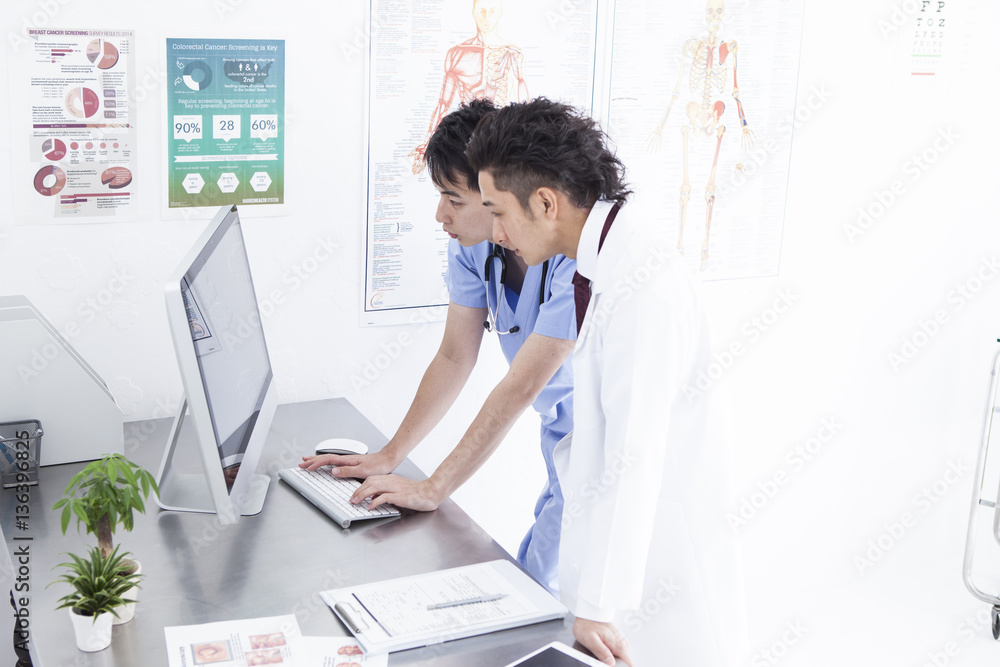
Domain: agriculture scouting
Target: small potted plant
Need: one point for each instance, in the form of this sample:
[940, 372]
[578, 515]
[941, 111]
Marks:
[99, 584]
[102, 497]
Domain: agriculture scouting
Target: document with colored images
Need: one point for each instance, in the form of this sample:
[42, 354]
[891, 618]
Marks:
[273, 640]
[252, 641]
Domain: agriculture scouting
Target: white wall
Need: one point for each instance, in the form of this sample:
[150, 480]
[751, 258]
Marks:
[897, 430]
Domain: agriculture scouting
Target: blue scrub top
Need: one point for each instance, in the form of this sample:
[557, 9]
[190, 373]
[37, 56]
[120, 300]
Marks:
[555, 317]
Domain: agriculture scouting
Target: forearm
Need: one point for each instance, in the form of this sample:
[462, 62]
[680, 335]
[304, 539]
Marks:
[535, 364]
[440, 386]
[448, 90]
[505, 404]
[502, 407]
[676, 91]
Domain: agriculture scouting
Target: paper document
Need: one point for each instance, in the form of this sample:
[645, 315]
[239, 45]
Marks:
[274, 640]
[440, 606]
[253, 641]
[338, 652]
[402, 608]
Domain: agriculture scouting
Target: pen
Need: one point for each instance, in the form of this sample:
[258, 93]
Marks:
[459, 603]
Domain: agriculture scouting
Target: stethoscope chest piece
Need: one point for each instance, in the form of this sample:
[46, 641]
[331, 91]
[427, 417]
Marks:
[496, 252]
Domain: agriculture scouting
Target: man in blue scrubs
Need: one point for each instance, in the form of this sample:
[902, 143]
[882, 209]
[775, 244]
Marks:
[533, 312]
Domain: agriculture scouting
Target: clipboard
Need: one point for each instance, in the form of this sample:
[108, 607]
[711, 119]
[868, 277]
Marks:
[425, 609]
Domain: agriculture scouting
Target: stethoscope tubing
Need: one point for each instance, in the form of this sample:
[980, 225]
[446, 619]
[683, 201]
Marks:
[496, 252]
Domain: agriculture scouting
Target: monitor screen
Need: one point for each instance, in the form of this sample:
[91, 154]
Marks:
[228, 342]
[225, 369]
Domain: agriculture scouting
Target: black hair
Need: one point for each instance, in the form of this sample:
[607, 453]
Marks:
[445, 152]
[541, 143]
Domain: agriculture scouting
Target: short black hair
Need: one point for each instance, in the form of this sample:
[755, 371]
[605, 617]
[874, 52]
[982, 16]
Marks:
[541, 143]
[445, 152]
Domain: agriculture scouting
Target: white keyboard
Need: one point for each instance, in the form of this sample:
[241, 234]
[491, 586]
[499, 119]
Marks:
[333, 495]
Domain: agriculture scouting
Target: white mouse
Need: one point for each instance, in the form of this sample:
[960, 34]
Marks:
[341, 446]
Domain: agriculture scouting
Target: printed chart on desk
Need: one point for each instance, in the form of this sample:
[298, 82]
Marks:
[225, 111]
[425, 59]
[76, 106]
[702, 108]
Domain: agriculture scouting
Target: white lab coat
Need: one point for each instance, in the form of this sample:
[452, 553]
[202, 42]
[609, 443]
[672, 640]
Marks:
[641, 462]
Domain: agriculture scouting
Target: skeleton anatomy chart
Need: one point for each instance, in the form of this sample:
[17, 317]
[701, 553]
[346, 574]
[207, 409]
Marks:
[703, 108]
[426, 58]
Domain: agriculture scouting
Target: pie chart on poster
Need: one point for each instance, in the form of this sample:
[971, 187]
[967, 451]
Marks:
[82, 102]
[54, 149]
[50, 180]
[116, 177]
[197, 75]
[102, 53]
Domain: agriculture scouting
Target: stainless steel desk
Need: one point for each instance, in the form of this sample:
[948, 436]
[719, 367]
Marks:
[197, 571]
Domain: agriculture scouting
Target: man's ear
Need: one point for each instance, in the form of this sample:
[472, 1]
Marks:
[548, 202]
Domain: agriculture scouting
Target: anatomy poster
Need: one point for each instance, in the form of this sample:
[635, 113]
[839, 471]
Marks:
[76, 116]
[703, 108]
[225, 135]
[425, 58]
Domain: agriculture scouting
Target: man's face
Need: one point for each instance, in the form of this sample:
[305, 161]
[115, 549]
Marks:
[513, 227]
[487, 14]
[462, 215]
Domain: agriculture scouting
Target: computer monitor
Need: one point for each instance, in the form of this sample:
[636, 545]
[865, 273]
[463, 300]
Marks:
[229, 389]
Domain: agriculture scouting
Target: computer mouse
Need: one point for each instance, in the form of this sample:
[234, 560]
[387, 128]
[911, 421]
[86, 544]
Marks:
[341, 446]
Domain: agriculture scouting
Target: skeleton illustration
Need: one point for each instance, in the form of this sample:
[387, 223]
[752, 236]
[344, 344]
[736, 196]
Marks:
[483, 66]
[708, 77]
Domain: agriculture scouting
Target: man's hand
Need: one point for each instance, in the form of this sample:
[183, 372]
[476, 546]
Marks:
[352, 465]
[604, 640]
[399, 491]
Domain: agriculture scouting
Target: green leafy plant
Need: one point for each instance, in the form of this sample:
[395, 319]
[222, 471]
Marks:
[104, 495]
[98, 582]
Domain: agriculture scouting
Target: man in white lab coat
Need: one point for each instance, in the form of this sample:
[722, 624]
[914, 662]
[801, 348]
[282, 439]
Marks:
[640, 463]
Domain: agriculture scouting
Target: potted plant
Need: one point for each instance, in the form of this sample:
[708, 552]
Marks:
[102, 497]
[99, 584]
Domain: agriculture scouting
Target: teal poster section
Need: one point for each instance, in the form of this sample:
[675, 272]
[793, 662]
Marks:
[225, 111]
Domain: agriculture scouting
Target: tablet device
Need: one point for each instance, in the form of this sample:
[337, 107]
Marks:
[557, 654]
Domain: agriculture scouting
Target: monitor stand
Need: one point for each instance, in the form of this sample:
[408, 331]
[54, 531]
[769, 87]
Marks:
[183, 491]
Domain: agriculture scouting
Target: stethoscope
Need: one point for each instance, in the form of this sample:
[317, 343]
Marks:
[496, 252]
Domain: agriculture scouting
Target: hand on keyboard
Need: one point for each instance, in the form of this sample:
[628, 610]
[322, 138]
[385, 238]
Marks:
[332, 495]
[399, 491]
[352, 465]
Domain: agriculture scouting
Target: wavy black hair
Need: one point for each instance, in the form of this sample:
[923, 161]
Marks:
[445, 152]
[541, 143]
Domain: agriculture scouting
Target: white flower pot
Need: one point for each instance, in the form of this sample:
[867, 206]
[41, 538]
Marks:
[127, 612]
[91, 634]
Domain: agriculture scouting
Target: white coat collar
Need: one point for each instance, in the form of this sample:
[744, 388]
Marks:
[590, 237]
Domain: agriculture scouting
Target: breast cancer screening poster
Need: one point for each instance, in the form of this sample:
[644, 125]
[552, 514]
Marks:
[425, 58]
[225, 129]
[76, 117]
